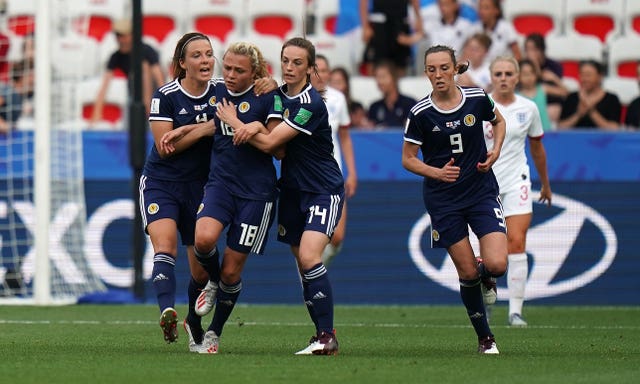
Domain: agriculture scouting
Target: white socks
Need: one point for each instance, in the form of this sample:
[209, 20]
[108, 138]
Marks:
[330, 251]
[516, 280]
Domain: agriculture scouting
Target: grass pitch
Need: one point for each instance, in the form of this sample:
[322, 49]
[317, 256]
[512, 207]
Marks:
[378, 344]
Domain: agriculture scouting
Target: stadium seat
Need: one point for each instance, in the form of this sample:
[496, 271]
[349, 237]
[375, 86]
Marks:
[219, 18]
[160, 18]
[95, 17]
[281, 18]
[631, 23]
[600, 18]
[338, 50]
[415, 86]
[326, 13]
[572, 48]
[365, 90]
[65, 52]
[626, 89]
[115, 102]
[624, 54]
[540, 16]
[21, 16]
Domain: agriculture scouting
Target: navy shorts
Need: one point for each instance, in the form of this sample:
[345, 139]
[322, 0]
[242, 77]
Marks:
[248, 220]
[176, 200]
[300, 211]
[484, 217]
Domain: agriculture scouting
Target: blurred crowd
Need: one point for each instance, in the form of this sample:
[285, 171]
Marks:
[386, 78]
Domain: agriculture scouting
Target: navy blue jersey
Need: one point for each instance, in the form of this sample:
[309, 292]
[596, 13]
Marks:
[243, 169]
[172, 103]
[456, 133]
[309, 164]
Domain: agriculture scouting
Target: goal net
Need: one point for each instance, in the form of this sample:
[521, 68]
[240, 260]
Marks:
[42, 201]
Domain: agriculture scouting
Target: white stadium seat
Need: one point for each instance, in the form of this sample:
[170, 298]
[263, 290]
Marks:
[365, 90]
[624, 54]
[282, 18]
[570, 49]
[602, 18]
[219, 18]
[541, 16]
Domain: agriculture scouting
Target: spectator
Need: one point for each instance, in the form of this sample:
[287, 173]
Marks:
[120, 62]
[503, 35]
[530, 86]
[341, 81]
[475, 52]
[591, 106]
[632, 120]
[387, 33]
[10, 100]
[392, 110]
[450, 28]
[551, 74]
[4, 61]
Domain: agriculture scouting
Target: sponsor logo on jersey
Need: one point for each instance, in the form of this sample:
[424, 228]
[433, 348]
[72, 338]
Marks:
[277, 103]
[153, 208]
[155, 105]
[303, 116]
[200, 107]
[469, 120]
[244, 107]
[549, 244]
[435, 129]
[183, 112]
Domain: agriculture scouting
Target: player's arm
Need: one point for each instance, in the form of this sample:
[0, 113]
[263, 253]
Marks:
[412, 163]
[499, 131]
[98, 104]
[177, 140]
[346, 146]
[539, 156]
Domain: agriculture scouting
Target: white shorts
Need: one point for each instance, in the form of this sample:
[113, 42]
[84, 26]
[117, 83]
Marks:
[516, 200]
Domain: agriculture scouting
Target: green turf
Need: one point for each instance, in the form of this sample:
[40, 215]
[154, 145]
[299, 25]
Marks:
[378, 344]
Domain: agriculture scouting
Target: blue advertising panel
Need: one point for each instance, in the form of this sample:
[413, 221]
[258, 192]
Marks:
[581, 249]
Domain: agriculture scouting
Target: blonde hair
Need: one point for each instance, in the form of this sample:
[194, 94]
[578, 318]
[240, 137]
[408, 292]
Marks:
[250, 50]
[508, 59]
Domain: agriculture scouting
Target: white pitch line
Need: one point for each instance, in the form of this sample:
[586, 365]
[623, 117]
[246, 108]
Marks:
[305, 324]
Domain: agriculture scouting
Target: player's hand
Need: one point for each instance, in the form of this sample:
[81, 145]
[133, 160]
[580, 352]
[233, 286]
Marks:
[167, 143]
[264, 85]
[492, 157]
[545, 196]
[449, 173]
[243, 133]
[226, 111]
[350, 185]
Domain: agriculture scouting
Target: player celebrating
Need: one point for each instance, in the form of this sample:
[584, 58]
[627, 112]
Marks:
[172, 182]
[339, 120]
[312, 187]
[459, 188]
[512, 172]
[240, 193]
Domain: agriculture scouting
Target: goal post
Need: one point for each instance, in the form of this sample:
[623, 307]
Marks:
[42, 200]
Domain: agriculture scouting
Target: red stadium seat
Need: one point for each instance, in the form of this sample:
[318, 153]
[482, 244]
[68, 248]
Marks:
[281, 18]
[540, 16]
[218, 18]
[600, 18]
[570, 49]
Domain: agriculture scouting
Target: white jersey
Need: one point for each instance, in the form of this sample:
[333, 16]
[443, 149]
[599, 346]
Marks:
[452, 35]
[338, 116]
[502, 36]
[523, 120]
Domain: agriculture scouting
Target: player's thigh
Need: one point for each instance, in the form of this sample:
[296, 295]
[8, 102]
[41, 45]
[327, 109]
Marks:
[493, 250]
[517, 227]
[464, 259]
[164, 236]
